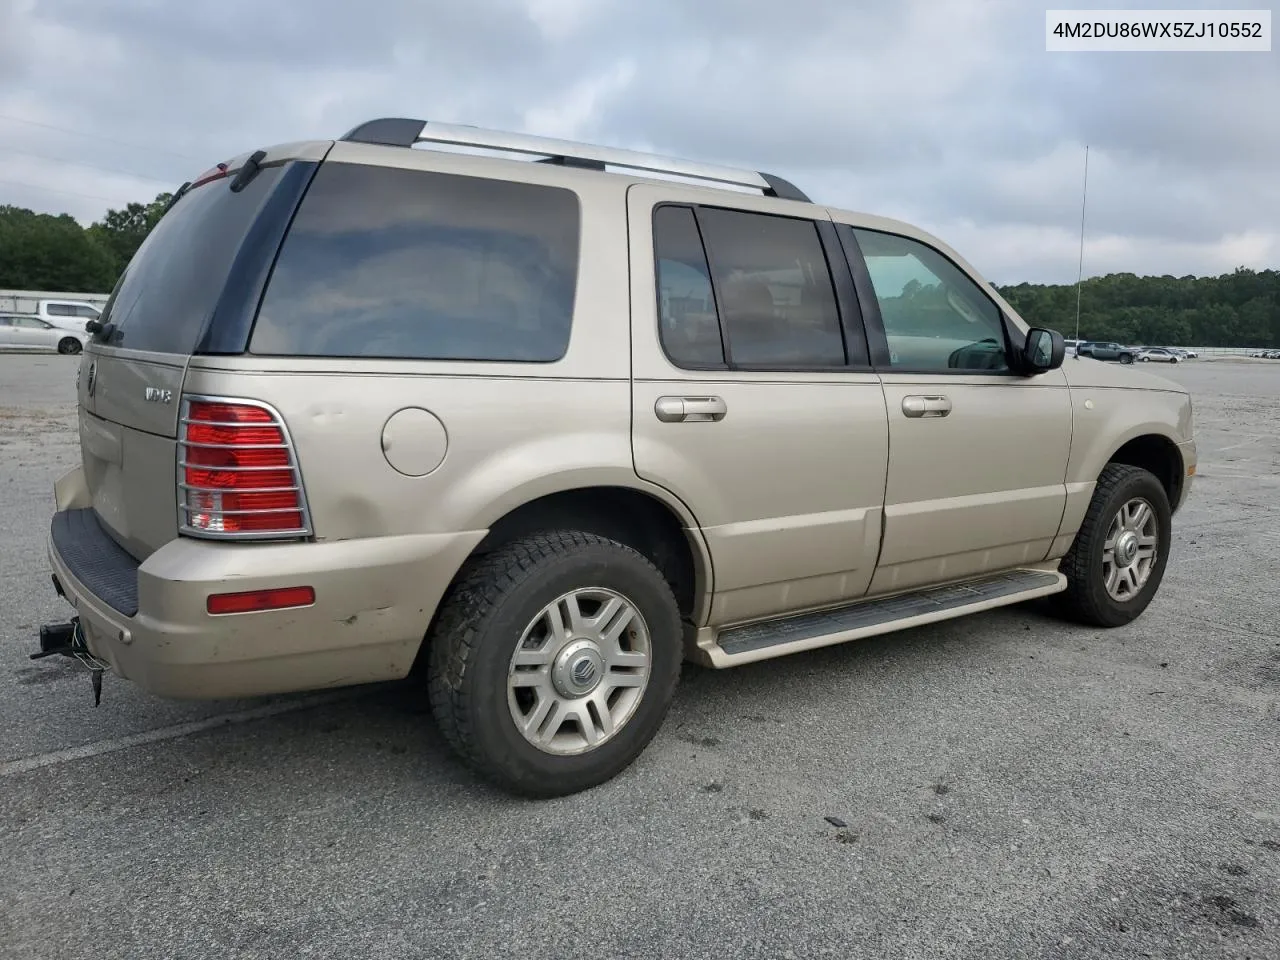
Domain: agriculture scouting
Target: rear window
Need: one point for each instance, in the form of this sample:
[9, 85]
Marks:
[168, 291]
[412, 264]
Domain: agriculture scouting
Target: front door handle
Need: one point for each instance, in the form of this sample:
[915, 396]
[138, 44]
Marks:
[926, 406]
[689, 409]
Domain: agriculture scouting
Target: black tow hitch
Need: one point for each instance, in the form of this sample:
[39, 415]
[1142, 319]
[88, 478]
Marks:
[55, 638]
[68, 640]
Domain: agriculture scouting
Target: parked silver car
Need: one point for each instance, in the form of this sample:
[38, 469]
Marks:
[20, 331]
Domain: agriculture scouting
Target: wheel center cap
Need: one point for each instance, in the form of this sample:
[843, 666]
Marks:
[578, 669]
[1126, 548]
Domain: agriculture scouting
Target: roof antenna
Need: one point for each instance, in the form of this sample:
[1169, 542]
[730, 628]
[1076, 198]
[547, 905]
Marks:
[1084, 199]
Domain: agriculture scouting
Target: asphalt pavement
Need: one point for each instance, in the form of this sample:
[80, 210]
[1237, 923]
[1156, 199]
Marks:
[998, 786]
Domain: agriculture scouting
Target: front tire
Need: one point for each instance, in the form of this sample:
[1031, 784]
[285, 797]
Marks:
[1117, 561]
[553, 662]
[1126, 358]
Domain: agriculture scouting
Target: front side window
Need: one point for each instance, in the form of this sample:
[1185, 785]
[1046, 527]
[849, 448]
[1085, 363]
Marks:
[412, 264]
[936, 318]
[745, 290]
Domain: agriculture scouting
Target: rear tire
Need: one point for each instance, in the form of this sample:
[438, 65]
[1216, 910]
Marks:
[69, 346]
[505, 645]
[1126, 358]
[1109, 579]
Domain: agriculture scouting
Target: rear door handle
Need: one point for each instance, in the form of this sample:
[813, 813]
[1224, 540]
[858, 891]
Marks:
[926, 406]
[689, 409]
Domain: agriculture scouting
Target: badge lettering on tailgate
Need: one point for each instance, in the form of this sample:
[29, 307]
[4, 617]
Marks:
[157, 395]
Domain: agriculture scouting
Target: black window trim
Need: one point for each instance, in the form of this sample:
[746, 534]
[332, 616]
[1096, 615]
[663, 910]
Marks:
[873, 320]
[228, 329]
[853, 333]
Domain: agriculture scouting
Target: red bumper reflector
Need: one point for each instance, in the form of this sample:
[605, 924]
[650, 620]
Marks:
[253, 601]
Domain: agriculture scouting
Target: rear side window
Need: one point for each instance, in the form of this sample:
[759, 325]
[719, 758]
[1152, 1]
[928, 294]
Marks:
[747, 290]
[412, 264]
[776, 298]
[171, 286]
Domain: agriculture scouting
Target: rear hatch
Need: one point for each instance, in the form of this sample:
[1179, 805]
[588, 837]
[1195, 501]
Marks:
[192, 287]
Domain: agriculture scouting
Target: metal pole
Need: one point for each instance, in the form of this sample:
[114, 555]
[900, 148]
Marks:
[1084, 199]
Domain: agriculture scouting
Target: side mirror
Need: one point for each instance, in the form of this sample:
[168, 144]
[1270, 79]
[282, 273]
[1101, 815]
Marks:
[1043, 351]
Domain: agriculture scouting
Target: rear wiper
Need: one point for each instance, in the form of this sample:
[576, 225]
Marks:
[248, 170]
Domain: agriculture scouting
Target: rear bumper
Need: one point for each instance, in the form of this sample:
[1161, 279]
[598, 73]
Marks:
[374, 600]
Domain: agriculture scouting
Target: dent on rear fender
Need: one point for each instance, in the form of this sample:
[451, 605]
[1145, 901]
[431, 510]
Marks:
[516, 475]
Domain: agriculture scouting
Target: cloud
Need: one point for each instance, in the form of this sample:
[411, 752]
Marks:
[950, 115]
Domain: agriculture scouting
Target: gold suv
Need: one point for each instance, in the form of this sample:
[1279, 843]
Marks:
[547, 419]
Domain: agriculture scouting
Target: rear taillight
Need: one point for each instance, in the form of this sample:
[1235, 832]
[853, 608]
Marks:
[238, 476]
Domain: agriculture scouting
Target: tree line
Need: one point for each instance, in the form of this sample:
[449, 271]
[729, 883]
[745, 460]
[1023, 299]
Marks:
[39, 251]
[1239, 309]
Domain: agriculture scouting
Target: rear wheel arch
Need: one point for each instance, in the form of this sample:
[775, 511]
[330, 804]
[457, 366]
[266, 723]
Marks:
[662, 532]
[658, 530]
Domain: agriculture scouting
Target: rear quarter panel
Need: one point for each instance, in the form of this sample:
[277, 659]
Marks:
[508, 439]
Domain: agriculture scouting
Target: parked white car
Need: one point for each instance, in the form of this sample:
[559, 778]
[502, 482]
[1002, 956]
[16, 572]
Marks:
[67, 314]
[20, 331]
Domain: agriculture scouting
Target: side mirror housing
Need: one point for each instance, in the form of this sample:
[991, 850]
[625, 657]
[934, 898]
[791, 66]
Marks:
[1043, 351]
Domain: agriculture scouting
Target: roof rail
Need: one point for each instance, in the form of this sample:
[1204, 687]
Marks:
[401, 132]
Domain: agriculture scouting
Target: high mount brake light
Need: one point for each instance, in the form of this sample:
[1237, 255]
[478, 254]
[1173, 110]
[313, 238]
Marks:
[213, 173]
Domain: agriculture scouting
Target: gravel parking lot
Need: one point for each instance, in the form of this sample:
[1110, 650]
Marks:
[1009, 786]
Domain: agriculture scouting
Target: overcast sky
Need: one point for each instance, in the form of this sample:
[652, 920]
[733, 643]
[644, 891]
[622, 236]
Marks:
[947, 113]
